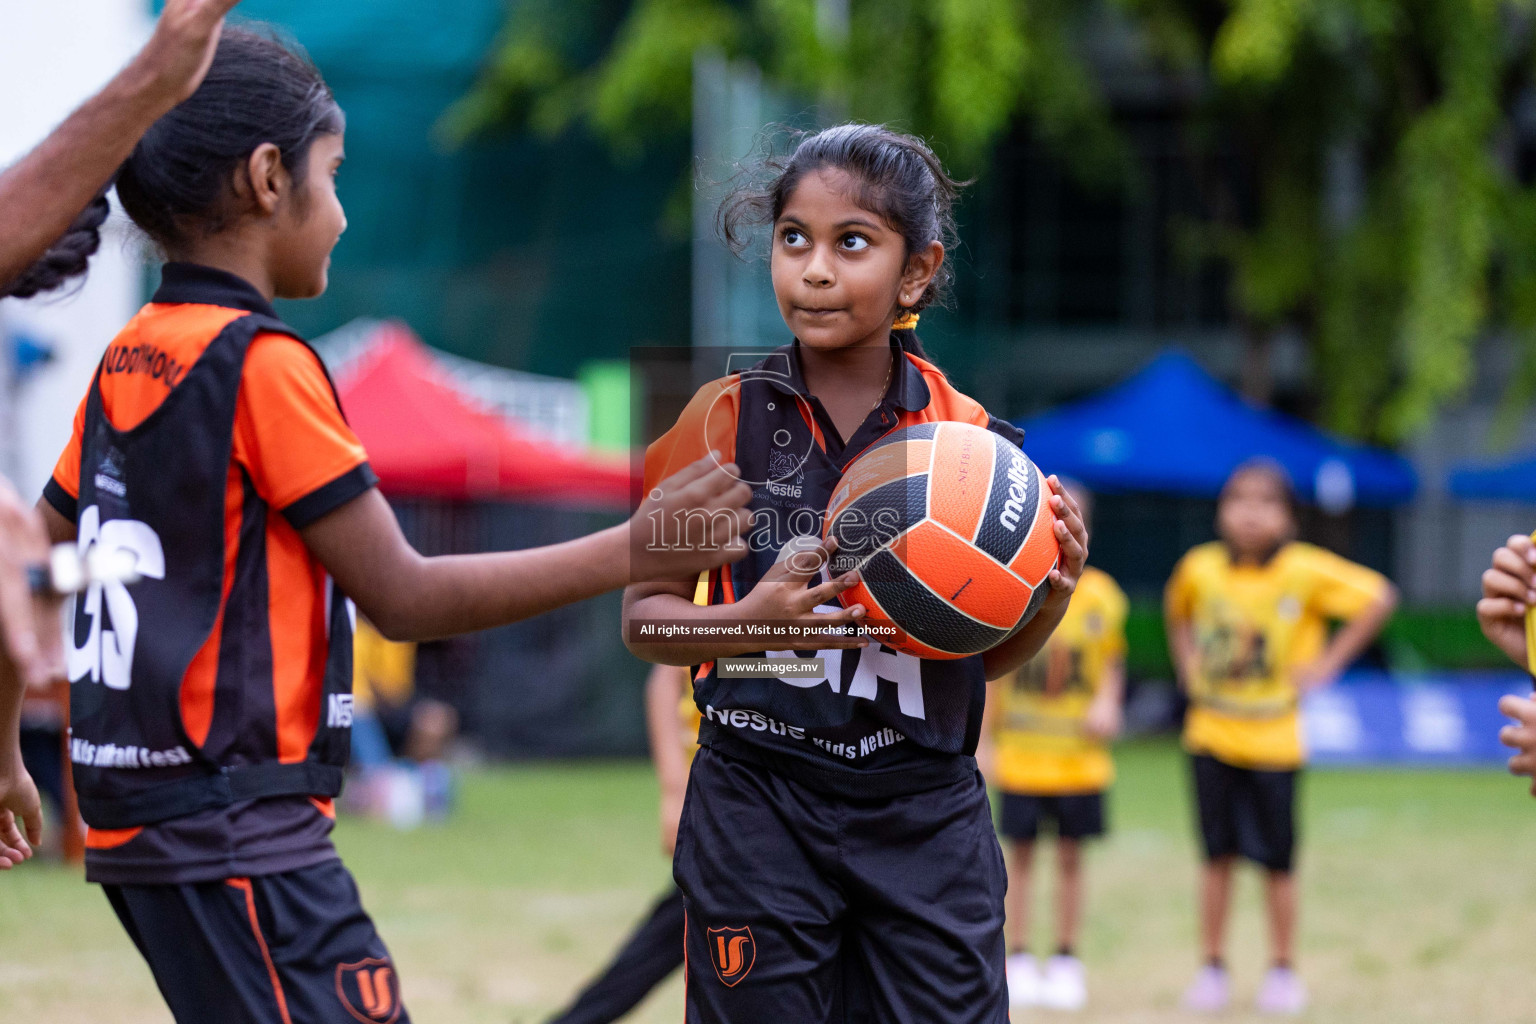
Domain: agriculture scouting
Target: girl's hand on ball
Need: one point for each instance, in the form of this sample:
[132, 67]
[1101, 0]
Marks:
[782, 598]
[1509, 589]
[1071, 537]
[1521, 736]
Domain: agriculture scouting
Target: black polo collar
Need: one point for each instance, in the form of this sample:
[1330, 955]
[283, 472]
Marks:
[209, 286]
[907, 390]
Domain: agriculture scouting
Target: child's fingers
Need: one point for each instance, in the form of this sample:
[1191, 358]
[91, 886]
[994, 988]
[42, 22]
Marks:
[1061, 492]
[1520, 737]
[800, 560]
[720, 487]
[711, 471]
[1062, 503]
[842, 639]
[1497, 583]
[826, 593]
[1073, 552]
[12, 844]
[1512, 563]
[1059, 581]
[849, 616]
[1523, 546]
[1522, 709]
[1493, 609]
[695, 471]
[1523, 764]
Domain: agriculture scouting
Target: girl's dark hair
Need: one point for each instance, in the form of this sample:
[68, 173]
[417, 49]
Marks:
[897, 178]
[68, 257]
[1275, 473]
[179, 180]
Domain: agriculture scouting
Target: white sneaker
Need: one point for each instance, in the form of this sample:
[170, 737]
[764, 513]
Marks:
[1283, 992]
[1210, 992]
[1065, 985]
[1023, 980]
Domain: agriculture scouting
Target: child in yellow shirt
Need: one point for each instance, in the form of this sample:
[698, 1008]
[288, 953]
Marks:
[1248, 619]
[1048, 725]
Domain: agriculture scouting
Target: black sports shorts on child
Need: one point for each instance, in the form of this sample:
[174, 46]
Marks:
[290, 948]
[811, 907]
[1075, 815]
[1247, 812]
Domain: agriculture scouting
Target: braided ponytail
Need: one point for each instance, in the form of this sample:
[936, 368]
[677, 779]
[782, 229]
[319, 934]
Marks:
[67, 258]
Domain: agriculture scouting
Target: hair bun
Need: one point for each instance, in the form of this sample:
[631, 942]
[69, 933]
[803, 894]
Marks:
[69, 257]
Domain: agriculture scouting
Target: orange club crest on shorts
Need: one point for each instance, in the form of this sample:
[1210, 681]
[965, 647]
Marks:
[369, 990]
[733, 952]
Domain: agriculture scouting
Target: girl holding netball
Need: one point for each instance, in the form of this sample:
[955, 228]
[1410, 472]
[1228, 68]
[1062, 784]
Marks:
[1248, 621]
[836, 850]
[211, 701]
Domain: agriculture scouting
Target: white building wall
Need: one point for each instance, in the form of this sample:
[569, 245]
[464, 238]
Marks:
[54, 54]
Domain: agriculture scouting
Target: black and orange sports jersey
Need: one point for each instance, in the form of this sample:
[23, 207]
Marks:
[880, 722]
[210, 436]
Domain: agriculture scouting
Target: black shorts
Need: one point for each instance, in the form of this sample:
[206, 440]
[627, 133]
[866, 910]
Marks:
[1074, 815]
[807, 907]
[270, 949]
[1247, 812]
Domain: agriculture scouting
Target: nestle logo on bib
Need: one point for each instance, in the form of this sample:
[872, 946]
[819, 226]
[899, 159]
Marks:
[781, 467]
[109, 474]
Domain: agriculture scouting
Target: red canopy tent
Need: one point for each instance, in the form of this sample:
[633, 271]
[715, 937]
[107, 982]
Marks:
[426, 438]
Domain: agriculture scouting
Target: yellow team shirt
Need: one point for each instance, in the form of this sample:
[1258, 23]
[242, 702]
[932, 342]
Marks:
[381, 669]
[1254, 626]
[1041, 745]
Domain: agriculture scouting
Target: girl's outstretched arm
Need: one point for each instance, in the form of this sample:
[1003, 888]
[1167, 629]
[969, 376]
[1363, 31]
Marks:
[409, 596]
[48, 188]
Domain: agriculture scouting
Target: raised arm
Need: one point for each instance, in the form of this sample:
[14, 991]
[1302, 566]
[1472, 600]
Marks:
[43, 193]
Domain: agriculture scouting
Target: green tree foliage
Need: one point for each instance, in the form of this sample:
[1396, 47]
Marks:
[1376, 205]
[1389, 221]
[956, 71]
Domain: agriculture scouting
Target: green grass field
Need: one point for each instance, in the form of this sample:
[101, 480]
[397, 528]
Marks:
[1420, 902]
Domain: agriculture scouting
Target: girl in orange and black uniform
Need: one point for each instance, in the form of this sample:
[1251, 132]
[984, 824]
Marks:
[211, 701]
[836, 851]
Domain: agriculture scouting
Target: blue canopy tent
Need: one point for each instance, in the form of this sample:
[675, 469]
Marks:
[1173, 428]
[1505, 481]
